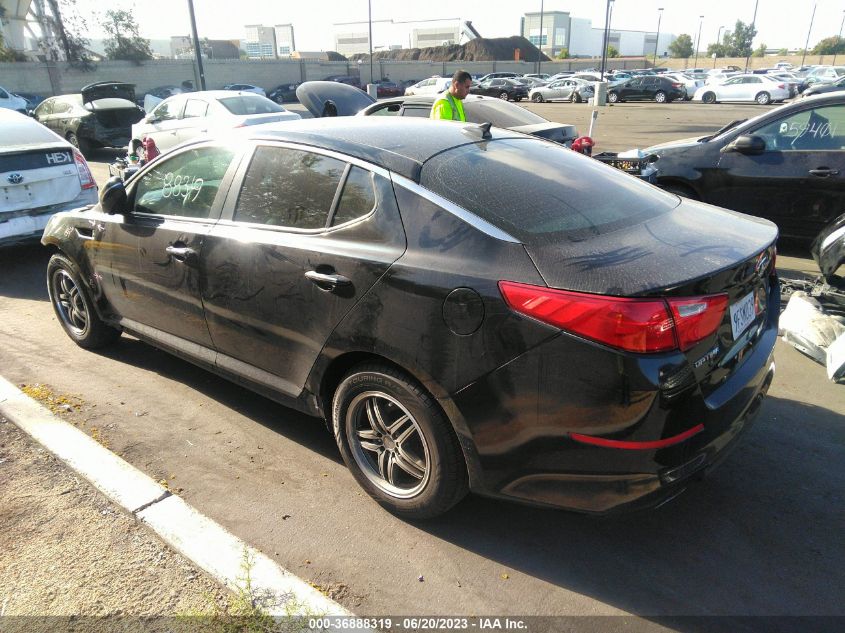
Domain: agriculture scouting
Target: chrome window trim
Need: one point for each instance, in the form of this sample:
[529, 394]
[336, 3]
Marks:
[467, 216]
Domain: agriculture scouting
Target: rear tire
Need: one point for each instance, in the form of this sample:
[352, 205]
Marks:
[708, 97]
[503, 96]
[660, 97]
[537, 98]
[612, 97]
[79, 143]
[764, 98]
[397, 442]
[73, 305]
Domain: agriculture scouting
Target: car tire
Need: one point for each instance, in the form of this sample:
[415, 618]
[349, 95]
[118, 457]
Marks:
[578, 98]
[612, 97]
[517, 99]
[537, 98]
[73, 305]
[397, 442]
[79, 143]
[660, 97]
[708, 97]
[763, 98]
[503, 96]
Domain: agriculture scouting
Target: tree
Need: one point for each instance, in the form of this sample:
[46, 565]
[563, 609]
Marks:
[67, 24]
[830, 46]
[612, 51]
[783, 51]
[681, 47]
[738, 43]
[760, 51]
[563, 54]
[720, 50]
[124, 41]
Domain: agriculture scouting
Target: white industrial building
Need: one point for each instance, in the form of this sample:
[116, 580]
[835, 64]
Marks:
[353, 37]
[260, 41]
[285, 43]
[560, 30]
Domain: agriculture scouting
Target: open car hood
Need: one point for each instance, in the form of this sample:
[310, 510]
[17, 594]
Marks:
[332, 98]
[828, 249]
[108, 90]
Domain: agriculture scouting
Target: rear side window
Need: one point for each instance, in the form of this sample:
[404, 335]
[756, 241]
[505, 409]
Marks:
[195, 109]
[250, 104]
[289, 188]
[539, 191]
[185, 185]
[358, 197]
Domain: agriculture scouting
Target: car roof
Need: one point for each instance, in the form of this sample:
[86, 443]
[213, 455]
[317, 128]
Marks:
[400, 144]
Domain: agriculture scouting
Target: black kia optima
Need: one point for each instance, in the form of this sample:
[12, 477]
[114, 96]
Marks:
[468, 308]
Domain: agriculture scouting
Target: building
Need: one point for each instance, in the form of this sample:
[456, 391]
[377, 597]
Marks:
[353, 37]
[560, 30]
[260, 41]
[285, 43]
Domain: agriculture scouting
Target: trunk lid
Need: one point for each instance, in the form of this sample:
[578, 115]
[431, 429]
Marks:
[36, 178]
[108, 90]
[321, 96]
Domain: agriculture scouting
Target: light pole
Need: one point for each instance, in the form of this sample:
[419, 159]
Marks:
[807, 43]
[197, 52]
[751, 43]
[540, 47]
[698, 40]
[370, 10]
[657, 39]
[718, 43]
[604, 39]
[839, 39]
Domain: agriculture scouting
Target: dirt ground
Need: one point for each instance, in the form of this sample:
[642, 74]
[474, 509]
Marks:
[65, 550]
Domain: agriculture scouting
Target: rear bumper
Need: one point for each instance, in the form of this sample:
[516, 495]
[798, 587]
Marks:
[30, 227]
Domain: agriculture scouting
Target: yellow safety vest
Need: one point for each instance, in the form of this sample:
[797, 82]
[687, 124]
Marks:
[448, 108]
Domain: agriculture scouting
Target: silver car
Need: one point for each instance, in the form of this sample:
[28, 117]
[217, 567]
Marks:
[575, 90]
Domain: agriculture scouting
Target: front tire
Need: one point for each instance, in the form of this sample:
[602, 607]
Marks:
[503, 96]
[764, 98]
[397, 442]
[537, 98]
[612, 97]
[660, 97]
[73, 306]
[709, 97]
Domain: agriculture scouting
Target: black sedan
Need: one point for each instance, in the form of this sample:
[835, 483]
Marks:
[503, 88]
[283, 93]
[787, 165]
[647, 88]
[468, 308]
[101, 115]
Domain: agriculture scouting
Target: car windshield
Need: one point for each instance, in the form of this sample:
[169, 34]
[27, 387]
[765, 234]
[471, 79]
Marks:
[542, 192]
[500, 114]
[250, 104]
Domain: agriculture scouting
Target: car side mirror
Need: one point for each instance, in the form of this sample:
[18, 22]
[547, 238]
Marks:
[113, 196]
[747, 144]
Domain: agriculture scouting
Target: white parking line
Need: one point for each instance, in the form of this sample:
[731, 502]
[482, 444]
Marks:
[198, 538]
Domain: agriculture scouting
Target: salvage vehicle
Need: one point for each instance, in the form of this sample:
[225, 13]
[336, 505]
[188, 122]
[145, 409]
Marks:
[283, 93]
[432, 85]
[819, 88]
[469, 308]
[345, 101]
[649, 88]
[100, 116]
[574, 90]
[786, 165]
[504, 88]
[751, 88]
[185, 116]
[40, 174]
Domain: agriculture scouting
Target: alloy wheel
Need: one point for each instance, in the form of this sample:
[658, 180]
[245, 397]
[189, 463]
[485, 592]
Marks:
[70, 304]
[388, 444]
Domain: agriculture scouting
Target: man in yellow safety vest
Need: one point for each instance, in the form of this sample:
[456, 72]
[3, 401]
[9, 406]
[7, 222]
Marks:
[449, 106]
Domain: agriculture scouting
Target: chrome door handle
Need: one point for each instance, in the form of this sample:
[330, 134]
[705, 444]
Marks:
[824, 172]
[322, 279]
[181, 253]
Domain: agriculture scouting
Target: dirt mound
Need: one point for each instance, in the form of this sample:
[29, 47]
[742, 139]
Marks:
[478, 50]
[334, 56]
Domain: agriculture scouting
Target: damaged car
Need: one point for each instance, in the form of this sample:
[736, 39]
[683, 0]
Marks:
[101, 115]
[787, 165]
[469, 308]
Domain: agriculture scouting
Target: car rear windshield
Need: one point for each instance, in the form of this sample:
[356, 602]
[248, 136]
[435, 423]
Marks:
[541, 192]
[500, 113]
[250, 104]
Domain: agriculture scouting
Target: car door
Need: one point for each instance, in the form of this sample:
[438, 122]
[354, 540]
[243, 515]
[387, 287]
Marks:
[649, 87]
[194, 120]
[44, 113]
[148, 258]
[799, 180]
[303, 237]
[631, 89]
[164, 122]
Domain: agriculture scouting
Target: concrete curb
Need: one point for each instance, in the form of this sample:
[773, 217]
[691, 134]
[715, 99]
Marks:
[198, 538]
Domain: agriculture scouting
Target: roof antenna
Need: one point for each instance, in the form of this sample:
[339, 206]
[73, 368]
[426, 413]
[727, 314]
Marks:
[481, 129]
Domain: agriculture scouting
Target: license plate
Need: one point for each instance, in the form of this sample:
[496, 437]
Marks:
[743, 313]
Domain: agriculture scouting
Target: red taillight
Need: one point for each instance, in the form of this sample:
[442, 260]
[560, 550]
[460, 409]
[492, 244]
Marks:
[677, 85]
[781, 86]
[633, 325]
[85, 177]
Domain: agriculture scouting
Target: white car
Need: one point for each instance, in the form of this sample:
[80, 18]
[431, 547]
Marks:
[575, 90]
[245, 88]
[430, 86]
[691, 84]
[719, 75]
[10, 101]
[185, 116]
[755, 88]
[824, 74]
[40, 174]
